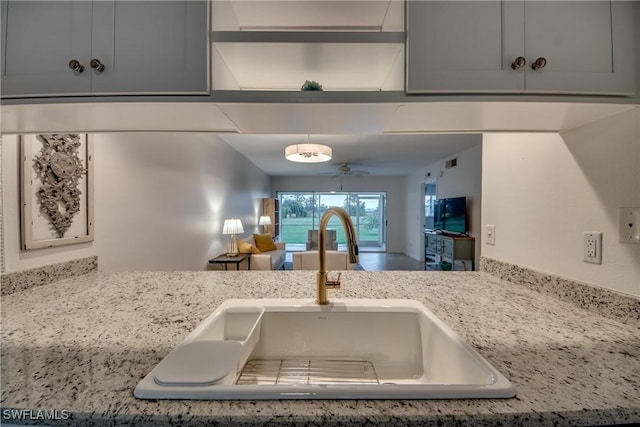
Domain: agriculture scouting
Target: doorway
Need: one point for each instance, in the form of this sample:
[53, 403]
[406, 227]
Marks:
[429, 204]
[428, 222]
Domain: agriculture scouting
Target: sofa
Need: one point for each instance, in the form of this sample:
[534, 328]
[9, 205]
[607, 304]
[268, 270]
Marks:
[336, 261]
[263, 259]
[331, 243]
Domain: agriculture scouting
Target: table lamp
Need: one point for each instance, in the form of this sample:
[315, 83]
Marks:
[232, 226]
[265, 222]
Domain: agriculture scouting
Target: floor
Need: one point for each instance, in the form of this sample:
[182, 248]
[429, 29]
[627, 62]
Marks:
[292, 247]
[381, 261]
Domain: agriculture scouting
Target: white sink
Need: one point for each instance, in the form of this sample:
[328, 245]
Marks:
[349, 349]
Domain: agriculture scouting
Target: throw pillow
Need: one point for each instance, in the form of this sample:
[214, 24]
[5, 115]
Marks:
[264, 242]
[247, 248]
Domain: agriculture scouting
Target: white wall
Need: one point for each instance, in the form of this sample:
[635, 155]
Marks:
[543, 191]
[463, 180]
[160, 201]
[637, 29]
[393, 186]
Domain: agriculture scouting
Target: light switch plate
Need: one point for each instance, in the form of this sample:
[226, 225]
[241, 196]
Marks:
[629, 225]
[491, 234]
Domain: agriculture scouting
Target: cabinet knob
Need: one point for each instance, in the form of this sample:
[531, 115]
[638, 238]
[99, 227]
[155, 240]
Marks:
[76, 66]
[539, 63]
[97, 65]
[519, 62]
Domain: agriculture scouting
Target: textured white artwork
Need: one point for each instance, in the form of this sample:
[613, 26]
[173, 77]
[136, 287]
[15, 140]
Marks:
[57, 191]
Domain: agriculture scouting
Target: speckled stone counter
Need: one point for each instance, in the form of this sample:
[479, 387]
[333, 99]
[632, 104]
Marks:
[23, 280]
[80, 345]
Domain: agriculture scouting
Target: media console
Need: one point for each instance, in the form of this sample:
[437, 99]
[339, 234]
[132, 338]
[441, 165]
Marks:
[446, 252]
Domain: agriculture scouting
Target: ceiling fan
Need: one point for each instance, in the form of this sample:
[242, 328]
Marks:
[345, 170]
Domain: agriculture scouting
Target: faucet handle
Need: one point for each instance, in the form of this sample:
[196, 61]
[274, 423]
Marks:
[333, 284]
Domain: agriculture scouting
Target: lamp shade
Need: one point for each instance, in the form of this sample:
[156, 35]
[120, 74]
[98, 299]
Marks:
[308, 153]
[264, 220]
[232, 226]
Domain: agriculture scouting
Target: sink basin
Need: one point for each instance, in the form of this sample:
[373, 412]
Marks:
[350, 349]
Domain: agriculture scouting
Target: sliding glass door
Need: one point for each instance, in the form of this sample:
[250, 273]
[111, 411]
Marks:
[368, 214]
[297, 215]
[301, 212]
[327, 200]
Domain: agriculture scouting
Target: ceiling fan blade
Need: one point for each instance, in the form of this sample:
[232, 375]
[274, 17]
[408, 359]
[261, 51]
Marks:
[358, 172]
[344, 170]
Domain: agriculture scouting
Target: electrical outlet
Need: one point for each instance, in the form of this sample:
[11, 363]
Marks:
[629, 225]
[593, 247]
[491, 234]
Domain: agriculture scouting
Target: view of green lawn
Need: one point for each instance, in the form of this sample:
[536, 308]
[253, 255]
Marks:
[294, 230]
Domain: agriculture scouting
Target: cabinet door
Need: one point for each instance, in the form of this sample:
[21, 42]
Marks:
[40, 39]
[587, 45]
[431, 241]
[150, 46]
[447, 247]
[464, 46]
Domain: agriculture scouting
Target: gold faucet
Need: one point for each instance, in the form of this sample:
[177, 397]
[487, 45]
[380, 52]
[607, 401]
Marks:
[323, 282]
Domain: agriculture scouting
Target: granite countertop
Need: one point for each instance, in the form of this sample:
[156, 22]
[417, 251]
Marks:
[79, 346]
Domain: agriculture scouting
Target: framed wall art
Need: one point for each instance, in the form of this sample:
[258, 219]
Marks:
[57, 190]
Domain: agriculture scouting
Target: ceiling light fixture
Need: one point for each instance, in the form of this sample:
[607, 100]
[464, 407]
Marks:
[308, 153]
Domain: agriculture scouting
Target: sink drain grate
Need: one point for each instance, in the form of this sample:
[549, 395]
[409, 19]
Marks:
[305, 371]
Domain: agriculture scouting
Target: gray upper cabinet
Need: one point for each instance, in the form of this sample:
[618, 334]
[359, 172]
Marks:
[568, 47]
[40, 40]
[461, 46]
[104, 47]
[588, 46]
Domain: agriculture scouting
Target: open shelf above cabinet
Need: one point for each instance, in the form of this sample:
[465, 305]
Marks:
[286, 66]
[278, 45]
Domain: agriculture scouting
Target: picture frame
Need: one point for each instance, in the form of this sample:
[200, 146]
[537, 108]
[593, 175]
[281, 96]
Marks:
[57, 190]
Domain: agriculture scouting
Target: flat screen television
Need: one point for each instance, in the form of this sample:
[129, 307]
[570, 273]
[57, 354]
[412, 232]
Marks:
[455, 215]
[450, 215]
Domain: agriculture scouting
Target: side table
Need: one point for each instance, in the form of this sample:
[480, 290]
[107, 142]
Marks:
[225, 260]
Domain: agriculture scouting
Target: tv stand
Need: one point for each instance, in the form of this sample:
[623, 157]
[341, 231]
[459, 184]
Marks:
[455, 234]
[445, 252]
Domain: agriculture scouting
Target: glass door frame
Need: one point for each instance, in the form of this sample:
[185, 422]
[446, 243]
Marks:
[381, 199]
